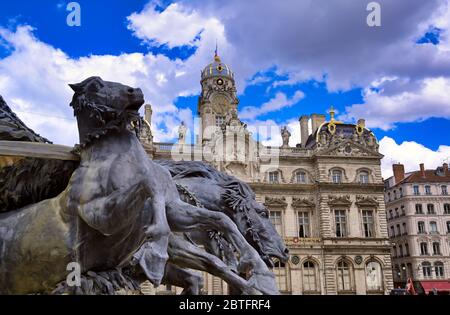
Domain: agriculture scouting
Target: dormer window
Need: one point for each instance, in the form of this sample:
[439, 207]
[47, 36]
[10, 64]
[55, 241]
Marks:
[337, 176]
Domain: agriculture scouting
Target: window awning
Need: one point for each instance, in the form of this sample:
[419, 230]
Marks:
[438, 285]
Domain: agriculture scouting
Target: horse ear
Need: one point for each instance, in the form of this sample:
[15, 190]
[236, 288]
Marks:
[76, 87]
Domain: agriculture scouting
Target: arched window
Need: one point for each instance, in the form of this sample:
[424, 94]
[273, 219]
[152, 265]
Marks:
[426, 269]
[309, 277]
[344, 276]
[280, 275]
[300, 177]
[374, 276]
[439, 269]
[363, 177]
[336, 176]
[274, 177]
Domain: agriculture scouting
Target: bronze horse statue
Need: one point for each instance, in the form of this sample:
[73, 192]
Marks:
[204, 186]
[118, 208]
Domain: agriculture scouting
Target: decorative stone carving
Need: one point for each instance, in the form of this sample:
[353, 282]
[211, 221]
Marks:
[362, 200]
[303, 203]
[275, 202]
[343, 200]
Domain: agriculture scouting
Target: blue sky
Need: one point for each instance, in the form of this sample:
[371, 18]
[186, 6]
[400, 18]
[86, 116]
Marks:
[397, 77]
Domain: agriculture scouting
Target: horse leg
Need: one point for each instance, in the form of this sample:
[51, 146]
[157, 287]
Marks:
[190, 281]
[184, 217]
[152, 256]
[186, 255]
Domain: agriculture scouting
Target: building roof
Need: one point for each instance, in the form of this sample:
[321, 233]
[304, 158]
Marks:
[431, 176]
[217, 69]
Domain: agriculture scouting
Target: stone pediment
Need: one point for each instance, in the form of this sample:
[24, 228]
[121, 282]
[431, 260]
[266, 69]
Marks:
[366, 201]
[339, 200]
[348, 147]
[275, 202]
[302, 203]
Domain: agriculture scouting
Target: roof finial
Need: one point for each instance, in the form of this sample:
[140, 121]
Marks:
[216, 56]
[331, 111]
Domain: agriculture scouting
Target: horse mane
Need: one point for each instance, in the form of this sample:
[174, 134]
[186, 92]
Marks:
[237, 193]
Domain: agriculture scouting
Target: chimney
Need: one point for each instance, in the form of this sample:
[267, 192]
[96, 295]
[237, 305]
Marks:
[304, 129]
[399, 172]
[422, 169]
[445, 167]
[148, 113]
[362, 123]
[316, 121]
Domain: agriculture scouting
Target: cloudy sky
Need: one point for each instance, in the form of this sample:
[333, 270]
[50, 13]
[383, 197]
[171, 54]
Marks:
[291, 57]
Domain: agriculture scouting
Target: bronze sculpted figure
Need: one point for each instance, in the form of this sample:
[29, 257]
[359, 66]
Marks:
[117, 210]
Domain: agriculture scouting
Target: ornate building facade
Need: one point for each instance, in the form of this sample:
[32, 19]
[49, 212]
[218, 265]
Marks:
[325, 195]
[418, 213]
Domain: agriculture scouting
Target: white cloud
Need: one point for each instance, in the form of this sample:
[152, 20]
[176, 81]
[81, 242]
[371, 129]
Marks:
[426, 99]
[34, 80]
[175, 26]
[277, 103]
[411, 154]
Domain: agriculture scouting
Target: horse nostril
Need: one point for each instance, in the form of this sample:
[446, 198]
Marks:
[286, 251]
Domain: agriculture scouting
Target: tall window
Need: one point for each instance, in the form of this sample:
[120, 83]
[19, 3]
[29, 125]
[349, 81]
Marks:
[344, 276]
[280, 275]
[403, 210]
[275, 218]
[406, 249]
[416, 190]
[430, 208]
[421, 227]
[309, 277]
[423, 249]
[399, 231]
[391, 214]
[427, 190]
[392, 231]
[337, 176]
[219, 120]
[436, 248]
[446, 208]
[340, 217]
[400, 247]
[433, 227]
[448, 227]
[374, 278]
[405, 231]
[401, 192]
[368, 223]
[364, 177]
[303, 224]
[274, 177]
[444, 190]
[300, 177]
[439, 269]
[419, 209]
[426, 269]
[394, 251]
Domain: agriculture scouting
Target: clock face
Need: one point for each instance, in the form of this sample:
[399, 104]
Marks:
[219, 82]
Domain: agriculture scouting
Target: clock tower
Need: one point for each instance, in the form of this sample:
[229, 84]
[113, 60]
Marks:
[217, 101]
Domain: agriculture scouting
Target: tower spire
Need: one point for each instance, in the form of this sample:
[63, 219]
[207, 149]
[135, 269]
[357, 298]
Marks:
[216, 56]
